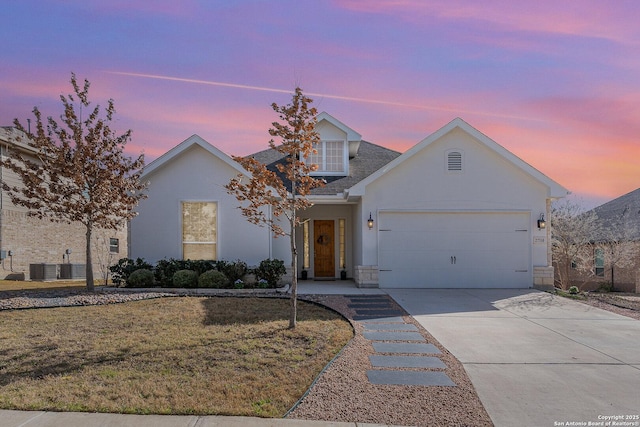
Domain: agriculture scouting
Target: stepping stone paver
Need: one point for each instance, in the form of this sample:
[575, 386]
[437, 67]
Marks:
[379, 312]
[429, 362]
[378, 318]
[389, 327]
[410, 348]
[393, 336]
[369, 320]
[429, 378]
[367, 306]
[383, 321]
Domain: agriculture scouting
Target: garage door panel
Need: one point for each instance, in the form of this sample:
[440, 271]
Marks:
[404, 259]
[459, 250]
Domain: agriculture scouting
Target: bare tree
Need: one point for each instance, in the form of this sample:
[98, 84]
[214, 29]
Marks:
[617, 237]
[81, 173]
[283, 193]
[573, 233]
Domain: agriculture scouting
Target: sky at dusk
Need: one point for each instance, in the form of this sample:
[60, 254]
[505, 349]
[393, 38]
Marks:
[555, 82]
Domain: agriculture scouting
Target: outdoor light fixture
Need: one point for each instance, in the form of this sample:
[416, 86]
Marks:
[541, 222]
[370, 221]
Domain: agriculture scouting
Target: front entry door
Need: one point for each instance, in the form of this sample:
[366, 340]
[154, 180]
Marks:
[323, 248]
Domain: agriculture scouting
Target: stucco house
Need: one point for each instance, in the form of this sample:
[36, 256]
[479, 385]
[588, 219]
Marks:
[455, 211]
[39, 249]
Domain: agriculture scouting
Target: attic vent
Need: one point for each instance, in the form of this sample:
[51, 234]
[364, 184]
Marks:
[454, 161]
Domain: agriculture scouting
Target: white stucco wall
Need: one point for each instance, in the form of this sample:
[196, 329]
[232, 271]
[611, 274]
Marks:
[488, 182]
[193, 175]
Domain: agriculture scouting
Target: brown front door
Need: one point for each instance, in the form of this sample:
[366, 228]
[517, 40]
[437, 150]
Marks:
[323, 248]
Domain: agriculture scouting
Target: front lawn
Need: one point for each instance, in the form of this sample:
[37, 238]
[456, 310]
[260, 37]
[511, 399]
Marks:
[27, 285]
[227, 356]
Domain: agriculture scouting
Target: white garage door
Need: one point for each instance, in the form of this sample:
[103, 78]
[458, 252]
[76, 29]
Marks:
[454, 250]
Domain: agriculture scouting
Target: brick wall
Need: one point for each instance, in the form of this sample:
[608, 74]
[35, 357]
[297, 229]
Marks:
[34, 241]
[625, 279]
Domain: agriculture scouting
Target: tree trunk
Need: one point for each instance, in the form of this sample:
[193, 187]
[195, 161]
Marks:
[89, 265]
[294, 282]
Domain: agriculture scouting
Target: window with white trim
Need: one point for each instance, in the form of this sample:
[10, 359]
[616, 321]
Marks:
[305, 245]
[342, 243]
[199, 230]
[114, 245]
[331, 157]
[599, 262]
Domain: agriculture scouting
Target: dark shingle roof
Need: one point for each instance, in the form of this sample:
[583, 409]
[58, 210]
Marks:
[625, 210]
[369, 159]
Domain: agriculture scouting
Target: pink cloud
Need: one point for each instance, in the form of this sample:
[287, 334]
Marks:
[584, 19]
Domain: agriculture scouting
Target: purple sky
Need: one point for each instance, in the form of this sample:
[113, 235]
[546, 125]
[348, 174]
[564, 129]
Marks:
[555, 82]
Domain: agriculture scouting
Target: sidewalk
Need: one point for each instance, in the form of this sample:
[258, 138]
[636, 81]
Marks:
[81, 419]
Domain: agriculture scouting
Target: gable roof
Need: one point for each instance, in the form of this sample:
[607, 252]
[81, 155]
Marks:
[370, 158]
[16, 139]
[352, 135]
[620, 212]
[184, 146]
[555, 189]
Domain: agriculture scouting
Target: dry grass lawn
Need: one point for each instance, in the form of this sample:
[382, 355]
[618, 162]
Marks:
[228, 356]
[27, 285]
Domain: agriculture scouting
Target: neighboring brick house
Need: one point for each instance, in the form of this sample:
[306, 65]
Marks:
[26, 240]
[620, 221]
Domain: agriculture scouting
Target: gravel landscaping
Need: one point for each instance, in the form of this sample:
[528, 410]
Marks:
[343, 392]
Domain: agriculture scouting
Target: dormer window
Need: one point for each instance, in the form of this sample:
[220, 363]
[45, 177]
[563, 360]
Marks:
[332, 158]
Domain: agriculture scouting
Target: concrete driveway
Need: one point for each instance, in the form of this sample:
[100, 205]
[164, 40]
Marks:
[536, 359]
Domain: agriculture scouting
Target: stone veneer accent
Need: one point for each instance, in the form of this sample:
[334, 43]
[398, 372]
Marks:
[366, 276]
[35, 241]
[543, 278]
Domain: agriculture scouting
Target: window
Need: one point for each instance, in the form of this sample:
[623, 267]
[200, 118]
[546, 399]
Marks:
[599, 262]
[114, 245]
[454, 161]
[305, 245]
[199, 230]
[341, 242]
[331, 158]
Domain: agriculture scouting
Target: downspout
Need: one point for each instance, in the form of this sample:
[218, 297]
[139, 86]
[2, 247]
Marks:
[2, 153]
[549, 243]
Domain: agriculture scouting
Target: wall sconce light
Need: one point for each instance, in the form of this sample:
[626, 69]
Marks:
[541, 222]
[370, 221]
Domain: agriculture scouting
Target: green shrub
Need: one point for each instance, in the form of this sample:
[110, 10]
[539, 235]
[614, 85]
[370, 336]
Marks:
[270, 270]
[574, 290]
[235, 270]
[166, 268]
[164, 271]
[199, 265]
[141, 278]
[213, 279]
[123, 269]
[185, 279]
[606, 287]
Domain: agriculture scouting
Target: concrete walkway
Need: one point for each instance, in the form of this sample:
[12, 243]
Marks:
[82, 419]
[536, 359]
